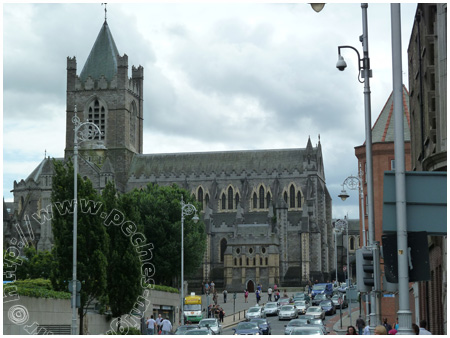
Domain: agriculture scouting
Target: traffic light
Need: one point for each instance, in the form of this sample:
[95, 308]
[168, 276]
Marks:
[367, 260]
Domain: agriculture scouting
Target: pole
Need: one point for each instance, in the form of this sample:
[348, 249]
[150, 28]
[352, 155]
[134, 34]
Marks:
[375, 308]
[349, 292]
[361, 196]
[75, 230]
[182, 261]
[404, 313]
[335, 249]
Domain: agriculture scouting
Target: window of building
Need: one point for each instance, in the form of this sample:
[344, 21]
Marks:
[240, 261]
[392, 164]
[224, 202]
[260, 261]
[267, 261]
[238, 251]
[96, 115]
[352, 243]
[237, 200]
[235, 262]
[230, 198]
[248, 262]
[223, 247]
[255, 201]
[133, 123]
[285, 196]
[292, 196]
[254, 261]
[261, 197]
[200, 197]
[299, 199]
[268, 199]
[206, 199]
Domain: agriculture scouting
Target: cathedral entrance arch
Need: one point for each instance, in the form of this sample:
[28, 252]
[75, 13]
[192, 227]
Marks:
[250, 286]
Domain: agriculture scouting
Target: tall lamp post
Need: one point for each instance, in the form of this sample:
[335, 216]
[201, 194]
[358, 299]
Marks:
[340, 225]
[83, 131]
[186, 210]
[366, 73]
[353, 183]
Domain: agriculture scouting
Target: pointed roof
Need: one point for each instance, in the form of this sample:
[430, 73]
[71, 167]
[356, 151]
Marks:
[44, 168]
[102, 59]
[383, 129]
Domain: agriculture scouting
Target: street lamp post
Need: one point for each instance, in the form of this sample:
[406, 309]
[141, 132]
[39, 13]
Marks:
[353, 183]
[83, 131]
[186, 210]
[366, 73]
[341, 225]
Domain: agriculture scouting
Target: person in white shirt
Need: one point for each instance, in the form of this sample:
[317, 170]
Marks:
[151, 325]
[366, 331]
[158, 323]
[166, 326]
[269, 293]
[422, 327]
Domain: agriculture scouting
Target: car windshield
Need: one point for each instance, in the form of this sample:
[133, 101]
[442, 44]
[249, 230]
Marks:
[270, 305]
[314, 309]
[300, 302]
[258, 320]
[193, 307]
[318, 287]
[316, 321]
[210, 322]
[298, 322]
[201, 332]
[253, 309]
[247, 326]
[306, 331]
[287, 308]
[326, 303]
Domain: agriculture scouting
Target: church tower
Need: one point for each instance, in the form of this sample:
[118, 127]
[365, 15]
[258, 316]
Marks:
[105, 95]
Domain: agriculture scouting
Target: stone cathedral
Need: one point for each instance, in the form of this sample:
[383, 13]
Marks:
[267, 212]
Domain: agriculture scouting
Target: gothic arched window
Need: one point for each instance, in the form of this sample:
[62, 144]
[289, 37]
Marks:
[133, 120]
[255, 201]
[206, 199]
[285, 196]
[230, 198]
[292, 196]
[96, 114]
[224, 202]
[261, 197]
[299, 200]
[200, 197]
[237, 199]
[235, 262]
[223, 247]
[352, 243]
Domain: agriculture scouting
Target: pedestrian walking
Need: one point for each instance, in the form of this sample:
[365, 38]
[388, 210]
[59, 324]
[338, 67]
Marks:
[360, 324]
[246, 296]
[166, 326]
[396, 324]
[207, 288]
[258, 296]
[415, 328]
[275, 287]
[225, 293]
[269, 294]
[386, 325]
[277, 296]
[151, 325]
[367, 330]
[213, 286]
[217, 312]
[422, 327]
[221, 315]
[215, 298]
[351, 330]
[158, 323]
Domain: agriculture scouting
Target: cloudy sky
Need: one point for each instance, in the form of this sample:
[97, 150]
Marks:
[217, 76]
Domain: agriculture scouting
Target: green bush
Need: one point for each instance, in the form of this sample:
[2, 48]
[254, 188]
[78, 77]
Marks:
[130, 331]
[165, 288]
[38, 288]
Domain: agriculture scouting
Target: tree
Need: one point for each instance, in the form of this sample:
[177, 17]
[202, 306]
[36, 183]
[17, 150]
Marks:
[160, 212]
[35, 264]
[124, 275]
[92, 239]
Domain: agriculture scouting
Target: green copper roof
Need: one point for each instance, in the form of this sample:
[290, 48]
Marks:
[102, 59]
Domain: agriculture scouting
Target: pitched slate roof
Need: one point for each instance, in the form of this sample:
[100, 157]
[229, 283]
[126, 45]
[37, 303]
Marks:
[43, 168]
[383, 129]
[102, 59]
[227, 161]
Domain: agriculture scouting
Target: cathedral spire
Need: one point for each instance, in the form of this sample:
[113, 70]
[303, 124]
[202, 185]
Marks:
[104, 3]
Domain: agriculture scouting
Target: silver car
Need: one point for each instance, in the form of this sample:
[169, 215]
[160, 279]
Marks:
[302, 306]
[255, 312]
[212, 323]
[307, 330]
[316, 311]
[295, 323]
[271, 309]
[287, 312]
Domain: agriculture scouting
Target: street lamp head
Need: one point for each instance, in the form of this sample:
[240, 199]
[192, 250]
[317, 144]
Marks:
[195, 218]
[341, 64]
[343, 195]
[317, 7]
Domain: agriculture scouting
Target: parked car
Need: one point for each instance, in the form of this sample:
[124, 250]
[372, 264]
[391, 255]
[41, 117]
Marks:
[316, 311]
[263, 324]
[271, 309]
[295, 323]
[283, 301]
[319, 322]
[328, 307]
[302, 306]
[184, 328]
[247, 328]
[212, 323]
[318, 298]
[307, 330]
[255, 312]
[335, 300]
[287, 312]
[199, 332]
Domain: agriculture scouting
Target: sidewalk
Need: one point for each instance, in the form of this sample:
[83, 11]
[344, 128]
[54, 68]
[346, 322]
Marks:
[334, 324]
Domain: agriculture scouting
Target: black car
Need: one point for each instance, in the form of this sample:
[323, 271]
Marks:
[328, 307]
[247, 328]
[318, 298]
[263, 324]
